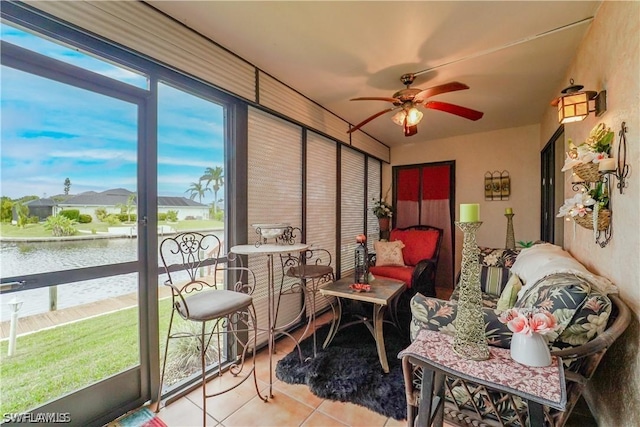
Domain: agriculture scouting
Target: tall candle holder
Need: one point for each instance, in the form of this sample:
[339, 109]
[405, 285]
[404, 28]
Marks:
[470, 341]
[511, 239]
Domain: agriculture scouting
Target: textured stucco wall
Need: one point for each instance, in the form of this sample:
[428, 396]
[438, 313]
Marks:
[609, 58]
[515, 150]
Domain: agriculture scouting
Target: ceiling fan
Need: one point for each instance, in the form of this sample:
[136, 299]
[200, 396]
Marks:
[407, 100]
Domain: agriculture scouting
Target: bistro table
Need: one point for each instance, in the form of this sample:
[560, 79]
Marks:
[383, 293]
[270, 250]
[433, 351]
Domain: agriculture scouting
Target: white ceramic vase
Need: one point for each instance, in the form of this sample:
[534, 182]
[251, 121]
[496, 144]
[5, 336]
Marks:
[531, 350]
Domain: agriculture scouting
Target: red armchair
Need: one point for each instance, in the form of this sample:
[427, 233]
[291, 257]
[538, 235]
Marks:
[420, 256]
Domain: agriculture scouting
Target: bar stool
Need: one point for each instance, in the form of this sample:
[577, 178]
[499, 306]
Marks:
[312, 268]
[191, 262]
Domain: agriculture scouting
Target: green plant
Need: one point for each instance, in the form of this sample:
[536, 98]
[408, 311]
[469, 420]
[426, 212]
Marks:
[162, 216]
[6, 209]
[523, 244]
[23, 214]
[84, 219]
[127, 217]
[72, 214]
[382, 209]
[101, 213]
[172, 216]
[60, 226]
[112, 219]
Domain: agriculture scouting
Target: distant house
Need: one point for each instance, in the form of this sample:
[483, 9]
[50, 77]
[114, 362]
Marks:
[111, 201]
[42, 208]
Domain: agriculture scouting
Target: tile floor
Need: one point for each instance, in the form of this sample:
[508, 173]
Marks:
[292, 405]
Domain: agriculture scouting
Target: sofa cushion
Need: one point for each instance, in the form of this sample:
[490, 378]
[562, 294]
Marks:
[589, 322]
[492, 257]
[509, 294]
[439, 315]
[544, 259]
[418, 244]
[393, 272]
[388, 253]
[563, 294]
[488, 300]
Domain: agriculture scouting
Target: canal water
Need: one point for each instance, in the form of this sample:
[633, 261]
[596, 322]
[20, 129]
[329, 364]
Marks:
[20, 258]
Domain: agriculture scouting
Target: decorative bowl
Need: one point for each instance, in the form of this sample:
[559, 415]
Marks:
[270, 231]
[360, 287]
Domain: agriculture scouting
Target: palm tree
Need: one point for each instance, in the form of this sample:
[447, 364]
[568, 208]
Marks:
[129, 207]
[216, 176]
[197, 189]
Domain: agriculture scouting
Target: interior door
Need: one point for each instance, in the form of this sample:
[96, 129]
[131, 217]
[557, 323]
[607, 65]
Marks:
[425, 195]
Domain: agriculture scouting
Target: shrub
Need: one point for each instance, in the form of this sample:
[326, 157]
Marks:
[112, 219]
[72, 214]
[85, 219]
[218, 216]
[172, 216]
[162, 216]
[123, 217]
[60, 226]
[101, 213]
[33, 219]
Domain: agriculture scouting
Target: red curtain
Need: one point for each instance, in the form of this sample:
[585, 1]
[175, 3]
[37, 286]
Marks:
[423, 199]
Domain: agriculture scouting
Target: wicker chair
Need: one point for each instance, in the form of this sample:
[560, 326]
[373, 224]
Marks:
[501, 409]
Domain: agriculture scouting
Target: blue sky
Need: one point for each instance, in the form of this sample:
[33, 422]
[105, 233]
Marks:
[51, 131]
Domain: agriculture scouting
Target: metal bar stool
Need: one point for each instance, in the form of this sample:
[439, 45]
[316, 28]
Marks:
[192, 264]
[312, 268]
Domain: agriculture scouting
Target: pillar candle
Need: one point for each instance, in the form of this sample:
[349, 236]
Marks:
[508, 210]
[607, 165]
[470, 212]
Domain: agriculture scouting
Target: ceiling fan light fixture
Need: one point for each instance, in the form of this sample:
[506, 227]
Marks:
[413, 116]
[399, 117]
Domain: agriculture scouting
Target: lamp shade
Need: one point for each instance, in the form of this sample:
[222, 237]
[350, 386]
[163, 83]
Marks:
[573, 107]
[413, 116]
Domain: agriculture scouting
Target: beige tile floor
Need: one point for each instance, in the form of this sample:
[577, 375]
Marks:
[292, 405]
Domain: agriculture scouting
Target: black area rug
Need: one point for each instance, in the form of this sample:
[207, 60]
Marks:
[349, 370]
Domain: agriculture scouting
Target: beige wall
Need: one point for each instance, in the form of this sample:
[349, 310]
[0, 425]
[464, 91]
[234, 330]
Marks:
[609, 58]
[515, 150]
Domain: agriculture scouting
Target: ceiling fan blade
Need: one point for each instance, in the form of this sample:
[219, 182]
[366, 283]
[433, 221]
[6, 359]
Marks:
[465, 112]
[376, 98]
[437, 90]
[555, 102]
[410, 130]
[378, 114]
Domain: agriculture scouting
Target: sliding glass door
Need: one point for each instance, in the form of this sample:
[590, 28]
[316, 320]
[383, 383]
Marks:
[72, 275]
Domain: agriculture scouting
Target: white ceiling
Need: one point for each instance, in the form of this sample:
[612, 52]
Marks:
[513, 55]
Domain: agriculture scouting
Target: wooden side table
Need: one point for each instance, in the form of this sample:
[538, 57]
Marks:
[433, 351]
[384, 292]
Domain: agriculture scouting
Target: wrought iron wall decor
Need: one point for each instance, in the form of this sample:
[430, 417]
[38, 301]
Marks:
[599, 220]
[497, 185]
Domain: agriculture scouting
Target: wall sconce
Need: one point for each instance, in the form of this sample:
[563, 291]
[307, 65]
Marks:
[575, 106]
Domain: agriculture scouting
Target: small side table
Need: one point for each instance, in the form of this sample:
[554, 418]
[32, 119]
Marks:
[384, 292]
[433, 351]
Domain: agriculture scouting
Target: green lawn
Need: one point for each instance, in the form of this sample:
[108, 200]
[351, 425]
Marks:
[50, 363]
[38, 230]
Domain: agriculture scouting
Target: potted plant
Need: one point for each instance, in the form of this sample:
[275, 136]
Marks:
[589, 208]
[382, 210]
[583, 159]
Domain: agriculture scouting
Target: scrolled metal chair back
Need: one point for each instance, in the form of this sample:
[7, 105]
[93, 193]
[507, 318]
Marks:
[195, 254]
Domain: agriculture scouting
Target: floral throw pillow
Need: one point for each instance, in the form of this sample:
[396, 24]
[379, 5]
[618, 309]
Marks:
[389, 253]
[492, 257]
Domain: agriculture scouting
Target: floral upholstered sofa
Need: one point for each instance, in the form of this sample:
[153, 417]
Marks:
[589, 314]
